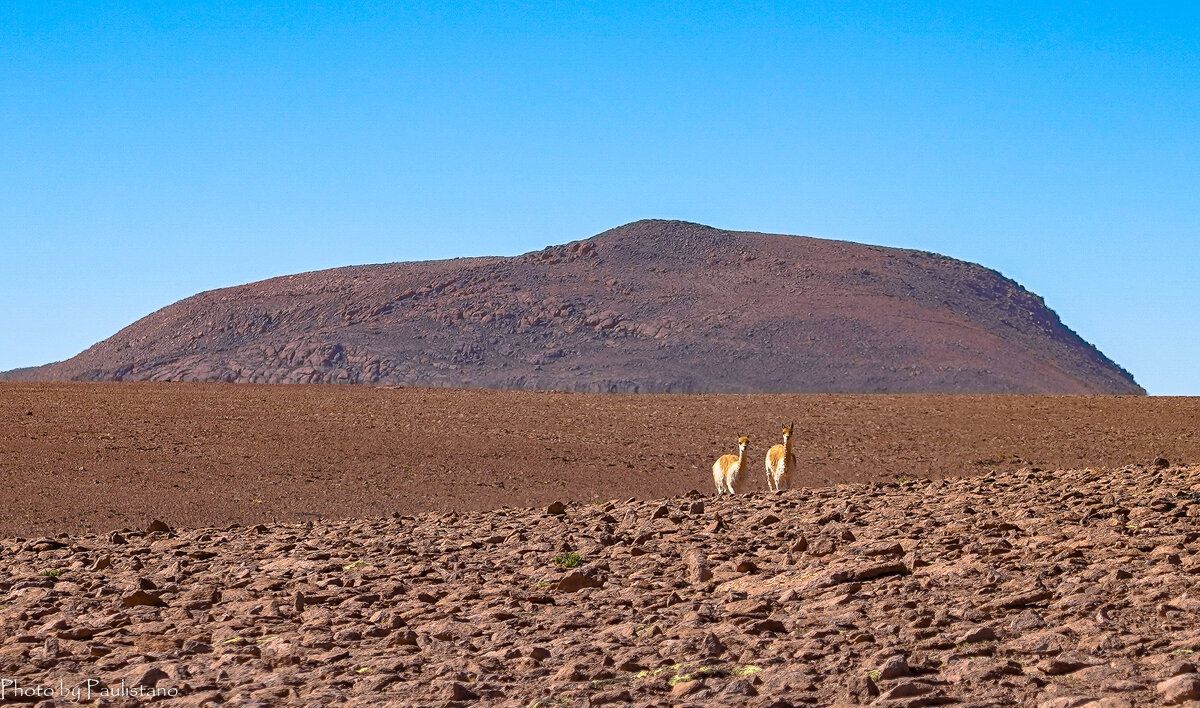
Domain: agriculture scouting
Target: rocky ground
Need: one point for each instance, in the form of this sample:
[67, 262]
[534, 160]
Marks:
[1022, 587]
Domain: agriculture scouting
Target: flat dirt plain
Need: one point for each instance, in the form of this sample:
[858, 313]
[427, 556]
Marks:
[96, 457]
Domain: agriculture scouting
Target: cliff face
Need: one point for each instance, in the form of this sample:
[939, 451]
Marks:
[651, 306]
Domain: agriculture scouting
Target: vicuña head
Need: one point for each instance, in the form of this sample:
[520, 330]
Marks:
[727, 470]
[781, 462]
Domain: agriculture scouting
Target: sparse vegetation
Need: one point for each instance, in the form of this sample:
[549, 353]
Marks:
[659, 671]
[51, 573]
[699, 673]
[568, 560]
[685, 672]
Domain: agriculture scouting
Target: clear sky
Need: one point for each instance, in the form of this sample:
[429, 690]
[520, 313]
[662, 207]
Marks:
[152, 150]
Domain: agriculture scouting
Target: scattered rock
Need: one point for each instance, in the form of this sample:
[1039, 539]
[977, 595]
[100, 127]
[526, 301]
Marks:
[1022, 599]
[698, 569]
[609, 697]
[906, 689]
[1066, 663]
[157, 526]
[893, 668]
[575, 581]
[1179, 689]
[147, 677]
[459, 692]
[979, 634]
[140, 597]
[1025, 601]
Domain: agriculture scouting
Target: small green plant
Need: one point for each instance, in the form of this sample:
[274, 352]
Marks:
[541, 585]
[352, 566]
[51, 573]
[568, 560]
[873, 674]
[686, 672]
[1183, 652]
[364, 670]
[701, 672]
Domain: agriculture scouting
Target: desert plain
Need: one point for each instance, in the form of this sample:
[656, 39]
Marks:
[102, 456]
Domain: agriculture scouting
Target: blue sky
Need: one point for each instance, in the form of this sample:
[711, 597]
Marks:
[150, 151]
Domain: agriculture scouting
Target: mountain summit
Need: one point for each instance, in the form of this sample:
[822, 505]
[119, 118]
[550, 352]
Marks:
[652, 306]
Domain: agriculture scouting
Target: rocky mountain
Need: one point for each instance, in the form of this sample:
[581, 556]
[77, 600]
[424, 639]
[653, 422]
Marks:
[652, 306]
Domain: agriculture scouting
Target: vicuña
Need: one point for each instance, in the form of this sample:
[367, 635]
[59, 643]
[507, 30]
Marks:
[727, 470]
[781, 462]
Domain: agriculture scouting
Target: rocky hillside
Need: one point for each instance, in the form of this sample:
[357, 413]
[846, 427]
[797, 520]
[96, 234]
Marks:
[652, 306]
[1032, 588]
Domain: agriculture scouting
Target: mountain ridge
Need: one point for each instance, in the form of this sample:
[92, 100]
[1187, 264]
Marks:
[650, 306]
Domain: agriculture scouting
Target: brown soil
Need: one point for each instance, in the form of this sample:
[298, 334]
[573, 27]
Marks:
[652, 306]
[77, 457]
[1019, 588]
